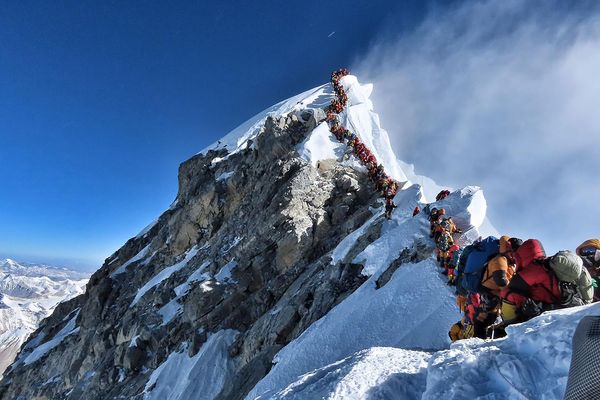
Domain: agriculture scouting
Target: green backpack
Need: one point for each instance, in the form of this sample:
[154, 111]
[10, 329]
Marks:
[568, 267]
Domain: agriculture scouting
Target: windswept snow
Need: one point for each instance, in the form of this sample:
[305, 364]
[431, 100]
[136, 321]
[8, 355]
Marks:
[321, 145]
[224, 274]
[239, 138]
[69, 329]
[532, 362]
[360, 119]
[139, 256]
[376, 373]
[200, 377]
[164, 274]
[196, 276]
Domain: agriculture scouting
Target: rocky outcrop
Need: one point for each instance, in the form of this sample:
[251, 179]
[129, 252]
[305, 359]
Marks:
[245, 246]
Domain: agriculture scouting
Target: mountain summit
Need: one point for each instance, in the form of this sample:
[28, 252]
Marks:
[274, 274]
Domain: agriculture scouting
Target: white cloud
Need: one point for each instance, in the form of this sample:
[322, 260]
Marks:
[504, 95]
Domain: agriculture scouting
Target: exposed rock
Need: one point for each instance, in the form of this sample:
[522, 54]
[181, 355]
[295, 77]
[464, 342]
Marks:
[256, 228]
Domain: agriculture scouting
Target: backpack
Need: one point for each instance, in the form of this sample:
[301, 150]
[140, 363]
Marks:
[566, 265]
[463, 256]
[482, 252]
[568, 268]
[444, 241]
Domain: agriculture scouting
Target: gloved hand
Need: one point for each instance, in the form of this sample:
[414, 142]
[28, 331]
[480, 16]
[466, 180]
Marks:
[531, 309]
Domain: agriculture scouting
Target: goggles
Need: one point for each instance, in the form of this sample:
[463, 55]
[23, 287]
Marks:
[590, 252]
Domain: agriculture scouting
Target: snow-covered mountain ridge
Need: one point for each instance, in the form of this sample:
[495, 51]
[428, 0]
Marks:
[28, 294]
[275, 275]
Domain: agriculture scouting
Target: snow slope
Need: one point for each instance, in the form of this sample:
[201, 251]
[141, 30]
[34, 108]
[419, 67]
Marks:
[200, 377]
[376, 373]
[28, 294]
[412, 311]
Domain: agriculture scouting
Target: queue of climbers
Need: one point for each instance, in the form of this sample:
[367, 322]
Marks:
[502, 281]
[499, 281]
[385, 185]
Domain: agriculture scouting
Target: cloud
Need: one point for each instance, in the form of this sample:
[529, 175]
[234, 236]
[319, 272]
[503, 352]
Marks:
[503, 95]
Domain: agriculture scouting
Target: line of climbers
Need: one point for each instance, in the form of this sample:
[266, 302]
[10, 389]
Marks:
[385, 184]
[505, 281]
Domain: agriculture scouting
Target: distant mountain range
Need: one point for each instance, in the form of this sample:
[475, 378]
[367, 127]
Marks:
[29, 293]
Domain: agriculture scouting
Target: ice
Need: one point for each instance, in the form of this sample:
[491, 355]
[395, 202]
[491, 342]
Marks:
[200, 377]
[164, 274]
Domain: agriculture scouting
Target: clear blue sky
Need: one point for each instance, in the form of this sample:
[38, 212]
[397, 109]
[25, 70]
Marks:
[101, 101]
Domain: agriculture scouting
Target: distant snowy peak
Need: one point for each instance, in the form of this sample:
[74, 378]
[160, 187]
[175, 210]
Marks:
[28, 294]
[9, 266]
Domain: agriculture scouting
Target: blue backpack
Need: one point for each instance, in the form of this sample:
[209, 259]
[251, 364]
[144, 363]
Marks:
[481, 253]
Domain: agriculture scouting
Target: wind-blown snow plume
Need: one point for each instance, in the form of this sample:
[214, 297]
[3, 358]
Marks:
[504, 95]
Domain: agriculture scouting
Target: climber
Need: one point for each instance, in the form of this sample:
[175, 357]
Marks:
[434, 218]
[389, 207]
[443, 244]
[442, 195]
[589, 251]
[496, 276]
[533, 289]
[449, 225]
[452, 263]
[416, 211]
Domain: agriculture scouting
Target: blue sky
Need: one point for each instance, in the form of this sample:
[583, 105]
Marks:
[101, 101]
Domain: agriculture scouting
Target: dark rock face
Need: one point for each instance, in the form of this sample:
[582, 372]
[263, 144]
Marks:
[264, 208]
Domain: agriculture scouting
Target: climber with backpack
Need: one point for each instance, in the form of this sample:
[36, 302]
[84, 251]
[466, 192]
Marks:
[533, 289]
[434, 219]
[589, 251]
[447, 262]
[483, 306]
[497, 274]
[453, 264]
[443, 243]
